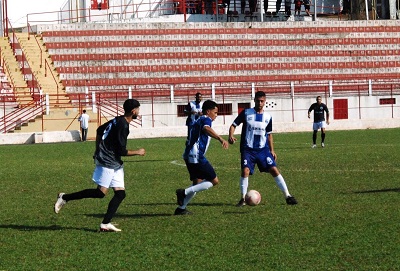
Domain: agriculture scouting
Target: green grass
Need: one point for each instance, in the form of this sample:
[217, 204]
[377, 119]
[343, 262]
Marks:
[347, 217]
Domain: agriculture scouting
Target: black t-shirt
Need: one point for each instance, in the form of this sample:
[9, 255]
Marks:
[318, 111]
[111, 143]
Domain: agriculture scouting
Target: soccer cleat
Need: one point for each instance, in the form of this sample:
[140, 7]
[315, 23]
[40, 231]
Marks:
[59, 203]
[179, 211]
[108, 228]
[322, 145]
[291, 200]
[241, 203]
[180, 196]
[314, 146]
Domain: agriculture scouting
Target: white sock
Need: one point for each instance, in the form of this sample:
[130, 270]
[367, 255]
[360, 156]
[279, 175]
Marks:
[282, 185]
[204, 185]
[187, 199]
[244, 184]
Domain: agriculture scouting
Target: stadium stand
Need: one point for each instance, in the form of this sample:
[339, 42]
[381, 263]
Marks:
[116, 56]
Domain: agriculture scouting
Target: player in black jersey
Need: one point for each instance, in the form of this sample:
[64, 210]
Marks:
[319, 109]
[111, 143]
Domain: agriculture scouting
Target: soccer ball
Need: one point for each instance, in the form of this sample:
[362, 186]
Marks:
[253, 198]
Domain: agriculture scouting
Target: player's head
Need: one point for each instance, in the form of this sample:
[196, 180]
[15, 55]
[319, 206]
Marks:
[259, 100]
[84, 111]
[131, 108]
[210, 108]
[319, 99]
[198, 97]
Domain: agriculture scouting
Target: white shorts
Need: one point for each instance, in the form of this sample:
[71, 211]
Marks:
[319, 125]
[107, 177]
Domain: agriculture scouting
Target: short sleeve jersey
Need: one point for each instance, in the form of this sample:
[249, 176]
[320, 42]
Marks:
[193, 107]
[255, 130]
[198, 141]
[114, 136]
[319, 111]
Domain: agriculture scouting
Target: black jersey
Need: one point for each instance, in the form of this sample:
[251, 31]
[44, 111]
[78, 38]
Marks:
[111, 142]
[319, 111]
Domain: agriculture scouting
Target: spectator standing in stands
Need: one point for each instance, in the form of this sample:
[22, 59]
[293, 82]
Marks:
[307, 4]
[201, 172]
[193, 110]
[319, 109]
[297, 7]
[288, 7]
[84, 123]
[257, 147]
[111, 143]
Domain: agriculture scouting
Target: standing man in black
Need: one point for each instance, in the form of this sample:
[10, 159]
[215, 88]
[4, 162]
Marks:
[319, 120]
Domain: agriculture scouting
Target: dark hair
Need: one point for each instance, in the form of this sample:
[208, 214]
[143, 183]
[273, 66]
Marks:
[198, 94]
[207, 105]
[84, 111]
[130, 104]
[259, 94]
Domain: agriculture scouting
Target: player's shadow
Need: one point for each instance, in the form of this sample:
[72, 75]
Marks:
[136, 216]
[43, 228]
[378, 191]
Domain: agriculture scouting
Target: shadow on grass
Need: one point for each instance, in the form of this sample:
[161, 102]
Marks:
[378, 191]
[174, 204]
[44, 228]
[142, 161]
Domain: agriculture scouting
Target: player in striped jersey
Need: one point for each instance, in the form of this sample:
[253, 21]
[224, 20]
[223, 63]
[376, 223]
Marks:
[201, 172]
[257, 146]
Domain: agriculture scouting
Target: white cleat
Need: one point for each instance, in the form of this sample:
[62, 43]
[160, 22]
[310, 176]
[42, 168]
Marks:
[59, 203]
[108, 227]
[314, 146]
[322, 145]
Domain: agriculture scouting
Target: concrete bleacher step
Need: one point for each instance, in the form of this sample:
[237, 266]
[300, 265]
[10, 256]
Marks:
[42, 66]
[13, 72]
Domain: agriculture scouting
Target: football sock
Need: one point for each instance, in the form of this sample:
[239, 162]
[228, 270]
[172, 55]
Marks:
[322, 137]
[244, 184]
[87, 193]
[282, 185]
[204, 185]
[187, 199]
[314, 138]
[119, 196]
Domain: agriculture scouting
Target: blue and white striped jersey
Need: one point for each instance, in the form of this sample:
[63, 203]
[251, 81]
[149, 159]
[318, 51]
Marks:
[255, 130]
[198, 141]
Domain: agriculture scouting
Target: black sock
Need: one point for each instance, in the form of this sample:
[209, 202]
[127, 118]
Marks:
[322, 137]
[87, 193]
[314, 138]
[113, 205]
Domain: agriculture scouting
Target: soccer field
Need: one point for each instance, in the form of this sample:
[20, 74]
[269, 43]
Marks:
[347, 217]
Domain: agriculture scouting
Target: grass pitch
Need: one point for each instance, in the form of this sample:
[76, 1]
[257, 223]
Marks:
[347, 217]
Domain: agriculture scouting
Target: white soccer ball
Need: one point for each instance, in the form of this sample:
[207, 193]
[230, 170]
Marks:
[253, 198]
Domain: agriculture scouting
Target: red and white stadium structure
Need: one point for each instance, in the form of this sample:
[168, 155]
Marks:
[94, 54]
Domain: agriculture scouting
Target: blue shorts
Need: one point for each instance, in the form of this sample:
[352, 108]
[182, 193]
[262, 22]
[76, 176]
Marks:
[262, 158]
[201, 171]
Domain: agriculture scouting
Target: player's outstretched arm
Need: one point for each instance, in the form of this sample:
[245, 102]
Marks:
[210, 132]
[140, 152]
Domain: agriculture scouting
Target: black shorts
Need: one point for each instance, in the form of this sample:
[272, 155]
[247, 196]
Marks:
[201, 171]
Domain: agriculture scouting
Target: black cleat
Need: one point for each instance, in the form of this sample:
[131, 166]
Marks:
[180, 196]
[241, 203]
[291, 200]
[179, 211]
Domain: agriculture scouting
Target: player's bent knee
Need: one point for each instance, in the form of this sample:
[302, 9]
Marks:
[120, 194]
[215, 182]
[100, 194]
